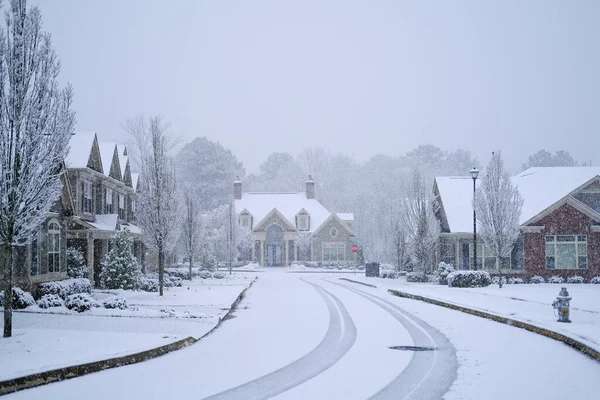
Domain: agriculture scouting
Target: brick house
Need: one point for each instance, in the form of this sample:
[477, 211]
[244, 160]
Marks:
[560, 223]
[281, 221]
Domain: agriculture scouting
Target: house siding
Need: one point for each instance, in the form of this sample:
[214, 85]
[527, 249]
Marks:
[566, 220]
[324, 236]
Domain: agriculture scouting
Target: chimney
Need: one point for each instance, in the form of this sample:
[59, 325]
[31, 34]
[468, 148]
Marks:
[310, 188]
[237, 188]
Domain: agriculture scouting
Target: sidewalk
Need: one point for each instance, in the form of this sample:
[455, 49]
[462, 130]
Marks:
[526, 302]
[43, 341]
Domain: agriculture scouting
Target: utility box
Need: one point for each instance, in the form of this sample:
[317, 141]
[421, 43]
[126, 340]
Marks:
[372, 270]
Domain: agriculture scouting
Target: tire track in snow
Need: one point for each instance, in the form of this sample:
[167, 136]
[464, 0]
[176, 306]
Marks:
[339, 338]
[429, 374]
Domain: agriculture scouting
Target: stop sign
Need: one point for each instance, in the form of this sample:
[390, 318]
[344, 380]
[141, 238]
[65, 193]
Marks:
[354, 248]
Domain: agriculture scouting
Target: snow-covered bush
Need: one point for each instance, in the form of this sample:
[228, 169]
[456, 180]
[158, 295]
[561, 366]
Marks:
[182, 272]
[516, 281]
[65, 288]
[469, 279]
[173, 281]
[76, 266]
[575, 279]
[116, 302]
[81, 302]
[400, 273]
[537, 279]
[595, 280]
[20, 299]
[416, 277]
[496, 279]
[50, 300]
[204, 274]
[120, 269]
[218, 275]
[442, 272]
[387, 274]
[556, 279]
[148, 284]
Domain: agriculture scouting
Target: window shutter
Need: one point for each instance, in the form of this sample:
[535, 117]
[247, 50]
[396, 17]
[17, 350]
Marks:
[297, 227]
[308, 219]
[82, 196]
[251, 222]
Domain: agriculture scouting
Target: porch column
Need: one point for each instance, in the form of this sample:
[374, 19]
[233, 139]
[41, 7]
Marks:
[287, 253]
[90, 259]
[456, 255]
[262, 253]
[253, 254]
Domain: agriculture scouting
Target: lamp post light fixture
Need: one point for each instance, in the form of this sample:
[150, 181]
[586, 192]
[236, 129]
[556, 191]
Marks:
[474, 174]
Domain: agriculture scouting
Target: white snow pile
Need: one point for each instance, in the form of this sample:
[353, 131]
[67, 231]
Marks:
[20, 299]
[50, 300]
[116, 302]
[416, 277]
[537, 279]
[469, 279]
[556, 279]
[81, 302]
[65, 288]
[575, 279]
[516, 281]
[496, 279]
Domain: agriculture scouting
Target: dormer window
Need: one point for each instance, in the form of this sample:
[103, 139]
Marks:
[122, 206]
[303, 221]
[86, 196]
[109, 201]
[245, 219]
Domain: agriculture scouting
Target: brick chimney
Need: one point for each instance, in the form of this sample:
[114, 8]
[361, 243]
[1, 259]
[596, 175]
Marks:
[237, 188]
[310, 188]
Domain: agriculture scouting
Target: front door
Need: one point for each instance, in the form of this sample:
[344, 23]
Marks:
[274, 245]
[274, 255]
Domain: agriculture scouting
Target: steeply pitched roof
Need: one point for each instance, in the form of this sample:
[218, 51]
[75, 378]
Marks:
[288, 204]
[540, 188]
[108, 151]
[134, 180]
[80, 148]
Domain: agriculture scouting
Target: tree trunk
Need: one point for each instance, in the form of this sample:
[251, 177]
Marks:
[7, 258]
[191, 264]
[499, 272]
[161, 270]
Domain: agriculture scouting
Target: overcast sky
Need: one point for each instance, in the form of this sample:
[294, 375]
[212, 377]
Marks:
[358, 77]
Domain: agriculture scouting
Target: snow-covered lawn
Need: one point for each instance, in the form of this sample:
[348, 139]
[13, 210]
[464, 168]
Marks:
[526, 302]
[45, 339]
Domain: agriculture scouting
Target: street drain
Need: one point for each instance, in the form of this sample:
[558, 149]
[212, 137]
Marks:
[412, 348]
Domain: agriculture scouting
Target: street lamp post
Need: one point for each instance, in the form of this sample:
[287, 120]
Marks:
[474, 173]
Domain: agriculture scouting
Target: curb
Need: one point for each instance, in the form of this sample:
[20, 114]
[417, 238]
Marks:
[585, 349]
[360, 283]
[60, 374]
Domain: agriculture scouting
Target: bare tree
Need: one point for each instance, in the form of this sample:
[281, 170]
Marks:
[191, 226]
[422, 227]
[158, 206]
[36, 122]
[498, 204]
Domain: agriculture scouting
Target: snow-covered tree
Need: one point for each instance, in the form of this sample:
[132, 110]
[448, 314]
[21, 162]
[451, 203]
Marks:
[399, 242]
[120, 269]
[76, 265]
[158, 200]
[498, 206]
[422, 227]
[190, 232]
[208, 168]
[244, 242]
[544, 158]
[36, 121]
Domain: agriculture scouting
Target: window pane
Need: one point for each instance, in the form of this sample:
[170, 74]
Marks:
[505, 262]
[550, 262]
[582, 261]
[549, 238]
[550, 249]
[565, 238]
[489, 263]
[582, 249]
[565, 255]
[582, 238]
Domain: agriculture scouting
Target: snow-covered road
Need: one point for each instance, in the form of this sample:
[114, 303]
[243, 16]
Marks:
[299, 336]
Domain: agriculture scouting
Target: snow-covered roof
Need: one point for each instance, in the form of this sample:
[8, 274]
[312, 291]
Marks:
[346, 216]
[105, 222]
[134, 180]
[540, 187]
[122, 150]
[80, 147]
[288, 204]
[107, 151]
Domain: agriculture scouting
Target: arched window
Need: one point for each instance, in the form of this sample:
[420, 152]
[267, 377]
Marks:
[53, 246]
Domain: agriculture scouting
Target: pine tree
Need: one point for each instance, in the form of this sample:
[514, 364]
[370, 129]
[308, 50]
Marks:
[120, 269]
[76, 265]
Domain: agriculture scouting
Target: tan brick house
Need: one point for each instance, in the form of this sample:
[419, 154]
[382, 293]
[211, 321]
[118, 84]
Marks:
[279, 221]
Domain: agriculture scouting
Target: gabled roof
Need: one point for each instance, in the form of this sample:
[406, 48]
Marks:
[134, 180]
[346, 216]
[109, 156]
[277, 213]
[339, 220]
[540, 188]
[80, 148]
[288, 204]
